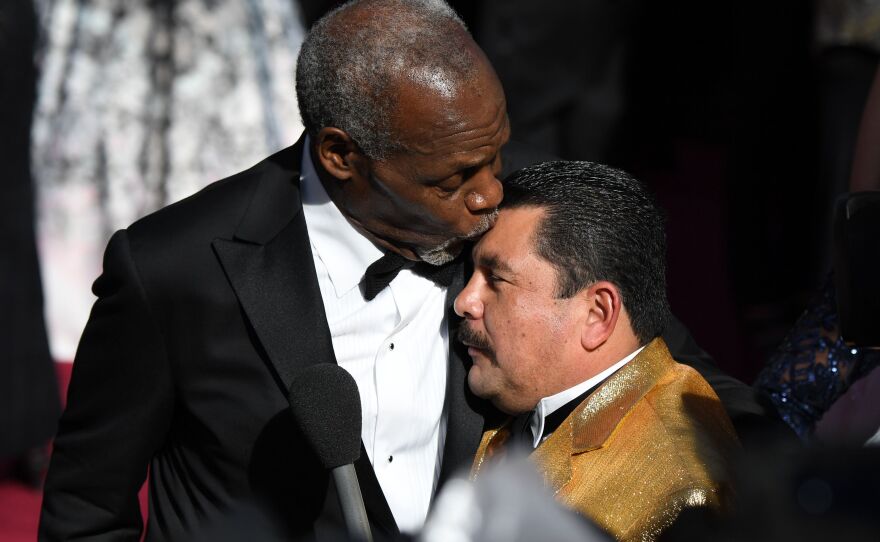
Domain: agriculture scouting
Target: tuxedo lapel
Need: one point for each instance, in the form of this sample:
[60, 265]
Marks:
[277, 289]
[269, 265]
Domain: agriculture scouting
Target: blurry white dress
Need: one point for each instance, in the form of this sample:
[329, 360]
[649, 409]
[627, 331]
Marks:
[139, 105]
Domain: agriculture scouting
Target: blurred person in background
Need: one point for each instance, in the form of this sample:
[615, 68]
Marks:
[29, 401]
[816, 365]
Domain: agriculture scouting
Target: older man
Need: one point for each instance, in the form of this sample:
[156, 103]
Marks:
[563, 317]
[207, 309]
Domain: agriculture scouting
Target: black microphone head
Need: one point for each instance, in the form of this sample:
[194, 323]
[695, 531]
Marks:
[326, 406]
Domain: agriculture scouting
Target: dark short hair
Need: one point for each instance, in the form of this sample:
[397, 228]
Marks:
[599, 224]
[353, 58]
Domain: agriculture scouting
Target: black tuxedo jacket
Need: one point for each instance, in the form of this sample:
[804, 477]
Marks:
[205, 312]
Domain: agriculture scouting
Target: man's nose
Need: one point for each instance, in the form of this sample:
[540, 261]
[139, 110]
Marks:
[486, 194]
[467, 303]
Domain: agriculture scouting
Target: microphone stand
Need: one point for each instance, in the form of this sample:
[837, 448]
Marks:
[352, 503]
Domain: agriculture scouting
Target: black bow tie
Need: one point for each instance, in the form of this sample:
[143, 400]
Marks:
[521, 426]
[382, 272]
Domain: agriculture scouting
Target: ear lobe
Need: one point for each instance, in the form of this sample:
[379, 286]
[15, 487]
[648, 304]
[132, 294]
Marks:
[338, 153]
[603, 309]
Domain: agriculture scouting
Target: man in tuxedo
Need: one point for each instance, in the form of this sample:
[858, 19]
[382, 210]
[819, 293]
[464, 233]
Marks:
[563, 317]
[208, 309]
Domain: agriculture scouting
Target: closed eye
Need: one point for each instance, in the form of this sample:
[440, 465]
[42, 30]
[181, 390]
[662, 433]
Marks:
[445, 191]
[490, 265]
[448, 186]
[492, 279]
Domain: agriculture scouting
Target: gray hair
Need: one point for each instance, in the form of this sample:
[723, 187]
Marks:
[354, 57]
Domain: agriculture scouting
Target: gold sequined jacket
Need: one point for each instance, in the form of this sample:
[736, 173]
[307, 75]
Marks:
[651, 440]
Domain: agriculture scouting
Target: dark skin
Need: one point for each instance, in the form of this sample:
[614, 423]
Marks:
[442, 186]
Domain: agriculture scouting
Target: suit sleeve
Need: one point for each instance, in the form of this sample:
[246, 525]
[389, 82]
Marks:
[738, 398]
[118, 412]
[756, 422]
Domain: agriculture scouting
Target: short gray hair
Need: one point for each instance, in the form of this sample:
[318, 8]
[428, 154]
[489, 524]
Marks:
[353, 58]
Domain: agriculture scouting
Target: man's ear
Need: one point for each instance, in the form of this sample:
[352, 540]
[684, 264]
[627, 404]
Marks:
[603, 309]
[339, 154]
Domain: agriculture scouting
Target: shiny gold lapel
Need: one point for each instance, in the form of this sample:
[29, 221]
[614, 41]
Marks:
[603, 410]
[592, 423]
[491, 444]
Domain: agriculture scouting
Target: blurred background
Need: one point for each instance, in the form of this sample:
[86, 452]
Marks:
[741, 117]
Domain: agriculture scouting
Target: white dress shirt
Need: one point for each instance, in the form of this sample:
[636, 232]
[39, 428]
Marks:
[549, 405]
[396, 347]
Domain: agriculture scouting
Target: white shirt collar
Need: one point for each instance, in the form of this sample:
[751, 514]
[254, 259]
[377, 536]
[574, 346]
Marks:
[549, 405]
[346, 253]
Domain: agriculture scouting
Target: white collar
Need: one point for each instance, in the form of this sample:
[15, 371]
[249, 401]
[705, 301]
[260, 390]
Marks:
[346, 253]
[549, 405]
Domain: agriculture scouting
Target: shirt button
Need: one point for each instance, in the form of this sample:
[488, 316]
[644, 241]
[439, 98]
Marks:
[391, 346]
[390, 458]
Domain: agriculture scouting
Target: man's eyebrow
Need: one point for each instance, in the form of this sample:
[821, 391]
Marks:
[491, 261]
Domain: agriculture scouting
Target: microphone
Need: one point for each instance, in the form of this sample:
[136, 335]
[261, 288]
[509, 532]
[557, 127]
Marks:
[326, 405]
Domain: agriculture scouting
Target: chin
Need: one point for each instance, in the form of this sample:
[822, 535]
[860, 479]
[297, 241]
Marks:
[441, 254]
[504, 404]
[476, 383]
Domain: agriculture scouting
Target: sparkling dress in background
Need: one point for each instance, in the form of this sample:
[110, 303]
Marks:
[139, 105]
[814, 367]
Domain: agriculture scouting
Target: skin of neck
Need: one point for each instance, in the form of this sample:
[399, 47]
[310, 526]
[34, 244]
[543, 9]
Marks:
[587, 363]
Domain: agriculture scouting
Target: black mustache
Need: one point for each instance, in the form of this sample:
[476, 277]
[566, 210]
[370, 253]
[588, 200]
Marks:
[473, 338]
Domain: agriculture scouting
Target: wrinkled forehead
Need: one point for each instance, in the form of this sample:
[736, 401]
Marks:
[440, 115]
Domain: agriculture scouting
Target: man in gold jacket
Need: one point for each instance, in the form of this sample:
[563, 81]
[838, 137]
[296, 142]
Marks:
[562, 318]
